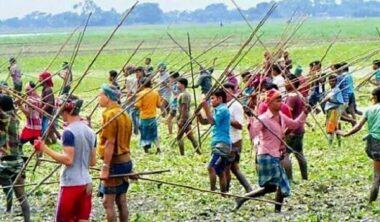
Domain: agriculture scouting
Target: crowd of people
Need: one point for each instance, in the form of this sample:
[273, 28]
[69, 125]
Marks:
[273, 101]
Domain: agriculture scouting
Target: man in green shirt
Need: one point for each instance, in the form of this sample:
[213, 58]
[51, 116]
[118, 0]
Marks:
[184, 101]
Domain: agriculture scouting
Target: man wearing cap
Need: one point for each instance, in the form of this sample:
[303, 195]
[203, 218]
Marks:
[376, 69]
[272, 177]
[15, 73]
[114, 149]
[79, 153]
[304, 87]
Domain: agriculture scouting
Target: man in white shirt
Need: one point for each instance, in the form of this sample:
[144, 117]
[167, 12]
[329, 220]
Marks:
[277, 79]
[237, 121]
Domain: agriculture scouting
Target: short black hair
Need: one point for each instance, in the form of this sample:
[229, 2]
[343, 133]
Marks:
[333, 76]
[113, 73]
[148, 58]
[345, 65]
[276, 68]
[6, 103]
[314, 63]
[140, 69]
[228, 86]
[183, 81]
[294, 80]
[376, 62]
[145, 81]
[376, 92]
[244, 74]
[174, 74]
[220, 93]
[268, 86]
[32, 84]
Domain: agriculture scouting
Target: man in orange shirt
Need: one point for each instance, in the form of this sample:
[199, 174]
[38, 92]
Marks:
[148, 100]
[114, 150]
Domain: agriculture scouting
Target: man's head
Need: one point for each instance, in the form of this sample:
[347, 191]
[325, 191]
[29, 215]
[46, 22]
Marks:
[112, 75]
[246, 76]
[273, 99]
[65, 65]
[6, 103]
[376, 64]
[332, 80]
[376, 95]
[140, 72]
[46, 78]
[30, 88]
[108, 95]
[12, 60]
[230, 89]
[128, 70]
[298, 71]
[72, 106]
[182, 83]
[315, 66]
[292, 83]
[161, 67]
[218, 97]
[148, 61]
[276, 70]
[337, 68]
[173, 76]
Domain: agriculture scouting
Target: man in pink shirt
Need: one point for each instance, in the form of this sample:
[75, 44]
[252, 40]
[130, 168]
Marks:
[271, 129]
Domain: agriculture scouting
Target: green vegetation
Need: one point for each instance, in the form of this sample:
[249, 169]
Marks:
[340, 178]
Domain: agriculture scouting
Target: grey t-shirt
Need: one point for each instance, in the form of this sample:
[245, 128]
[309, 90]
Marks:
[83, 139]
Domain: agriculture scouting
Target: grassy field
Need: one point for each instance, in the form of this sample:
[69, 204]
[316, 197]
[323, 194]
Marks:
[340, 177]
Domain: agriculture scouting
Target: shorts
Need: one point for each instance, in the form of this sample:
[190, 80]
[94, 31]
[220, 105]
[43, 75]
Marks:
[218, 162]
[119, 185]
[295, 141]
[373, 147]
[74, 204]
[29, 135]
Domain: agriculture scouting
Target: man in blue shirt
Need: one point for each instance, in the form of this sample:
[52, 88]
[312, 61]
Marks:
[376, 68]
[220, 139]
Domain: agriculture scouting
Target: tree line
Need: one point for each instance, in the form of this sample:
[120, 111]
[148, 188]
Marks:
[151, 13]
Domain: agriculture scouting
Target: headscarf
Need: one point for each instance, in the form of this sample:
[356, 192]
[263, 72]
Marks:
[46, 78]
[298, 71]
[111, 92]
[162, 65]
[272, 95]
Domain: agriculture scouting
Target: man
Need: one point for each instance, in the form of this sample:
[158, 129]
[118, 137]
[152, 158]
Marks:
[15, 73]
[130, 89]
[278, 79]
[184, 101]
[67, 77]
[114, 149]
[165, 91]
[304, 90]
[148, 100]
[204, 81]
[11, 160]
[376, 69]
[294, 138]
[317, 88]
[272, 177]
[79, 153]
[112, 78]
[48, 101]
[148, 69]
[174, 100]
[237, 121]
[220, 139]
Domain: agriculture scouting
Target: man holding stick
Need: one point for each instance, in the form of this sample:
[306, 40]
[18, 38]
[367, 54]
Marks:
[79, 153]
[114, 150]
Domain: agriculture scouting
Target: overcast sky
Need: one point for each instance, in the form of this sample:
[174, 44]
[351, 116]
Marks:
[19, 8]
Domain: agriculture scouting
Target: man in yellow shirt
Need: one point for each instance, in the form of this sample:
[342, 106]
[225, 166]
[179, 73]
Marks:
[114, 149]
[148, 100]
